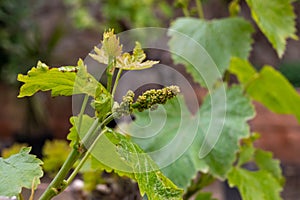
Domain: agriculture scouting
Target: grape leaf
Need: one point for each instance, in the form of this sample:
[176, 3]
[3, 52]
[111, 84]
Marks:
[59, 81]
[179, 121]
[18, 171]
[268, 177]
[131, 161]
[267, 87]
[86, 124]
[265, 161]
[207, 46]
[255, 185]
[276, 20]
[125, 61]
[128, 160]
[134, 61]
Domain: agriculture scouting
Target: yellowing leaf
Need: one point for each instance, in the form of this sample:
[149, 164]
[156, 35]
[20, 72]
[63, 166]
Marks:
[19, 171]
[61, 81]
[41, 78]
[126, 61]
[14, 149]
[111, 44]
[276, 20]
[134, 61]
[55, 153]
[268, 87]
[99, 56]
[110, 48]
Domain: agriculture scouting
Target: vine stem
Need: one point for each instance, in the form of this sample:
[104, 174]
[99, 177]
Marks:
[109, 72]
[83, 107]
[20, 197]
[57, 184]
[185, 11]
[84, 159]
[200, 9]
[116, 83]
[199, 184]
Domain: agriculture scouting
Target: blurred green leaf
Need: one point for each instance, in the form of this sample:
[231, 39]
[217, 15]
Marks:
[268, 87]
[291, 70]
[91, 178]
[266, 162]
[255, 185]
[276, 19]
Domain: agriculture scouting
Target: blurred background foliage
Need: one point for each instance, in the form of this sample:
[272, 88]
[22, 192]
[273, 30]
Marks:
[23, 41]
[121, 15]
[26, 35]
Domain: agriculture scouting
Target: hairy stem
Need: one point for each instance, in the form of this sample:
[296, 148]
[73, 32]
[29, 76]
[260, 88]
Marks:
[58, 185]
[92, 129]
[84, 104]
[84, 159]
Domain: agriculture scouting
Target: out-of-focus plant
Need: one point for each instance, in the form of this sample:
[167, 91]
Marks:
[14, 149]
[21, 40]
[55, 153]
[121, 15]
[291, 71]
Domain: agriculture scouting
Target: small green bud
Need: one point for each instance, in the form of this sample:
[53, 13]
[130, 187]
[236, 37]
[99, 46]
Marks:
[151, 98]
[125, 106]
